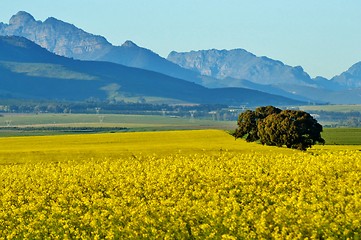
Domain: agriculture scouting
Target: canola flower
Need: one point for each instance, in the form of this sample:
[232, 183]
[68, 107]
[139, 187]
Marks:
[228, 195]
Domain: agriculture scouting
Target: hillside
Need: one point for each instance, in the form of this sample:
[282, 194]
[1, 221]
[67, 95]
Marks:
[29, 71]
[351, 78]
[67, 40]
[239, 68]
[238, 64]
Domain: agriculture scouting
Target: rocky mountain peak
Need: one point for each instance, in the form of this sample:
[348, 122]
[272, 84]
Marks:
[21, 18]
[129, 44]
[350, 78]
[355, 69]
[57, 36]
[52, 20]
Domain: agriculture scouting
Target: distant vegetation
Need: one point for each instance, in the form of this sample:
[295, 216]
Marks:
[50, 124]
[93, 105]
[336, 115]
[327, 115]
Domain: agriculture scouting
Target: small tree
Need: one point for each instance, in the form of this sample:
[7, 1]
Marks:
[295, 129]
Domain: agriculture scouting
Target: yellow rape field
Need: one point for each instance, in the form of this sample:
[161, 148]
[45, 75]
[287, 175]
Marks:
[176, 185]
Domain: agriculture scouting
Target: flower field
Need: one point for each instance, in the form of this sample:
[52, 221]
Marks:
[176, 185]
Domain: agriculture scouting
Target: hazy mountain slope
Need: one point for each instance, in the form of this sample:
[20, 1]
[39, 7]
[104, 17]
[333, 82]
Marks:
[67, 40]
[341, 96]
[346, 87]
[239, 68]
[240, 64]
[23, 50]
[351, 78]
[53, 77]
[270, 89]
[24, 60]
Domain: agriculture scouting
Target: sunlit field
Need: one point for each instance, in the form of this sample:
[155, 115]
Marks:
[176, 185]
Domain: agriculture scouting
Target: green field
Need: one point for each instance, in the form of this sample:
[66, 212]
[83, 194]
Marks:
[45, 124]
[342, 136]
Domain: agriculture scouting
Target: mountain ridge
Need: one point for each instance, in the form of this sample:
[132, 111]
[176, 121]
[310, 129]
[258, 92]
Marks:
[225, 68]
[351, 78]
[239, 64]
[51, 76]
[67, 40]
[239, 68]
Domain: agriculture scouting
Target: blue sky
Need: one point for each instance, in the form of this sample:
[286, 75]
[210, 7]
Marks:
[322, 36]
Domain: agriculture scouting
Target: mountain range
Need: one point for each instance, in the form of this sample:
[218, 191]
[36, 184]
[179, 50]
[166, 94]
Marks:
[226, 69]
[67, 40]
[29, 71]
[239, 68]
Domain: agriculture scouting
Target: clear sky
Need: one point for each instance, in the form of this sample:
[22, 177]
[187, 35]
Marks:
[322, 36]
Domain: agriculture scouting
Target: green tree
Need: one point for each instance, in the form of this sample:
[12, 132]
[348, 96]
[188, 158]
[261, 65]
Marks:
[248, 120]
[294, 129]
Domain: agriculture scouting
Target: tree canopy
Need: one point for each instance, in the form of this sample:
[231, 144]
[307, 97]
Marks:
[274, 127]
[248, 120]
